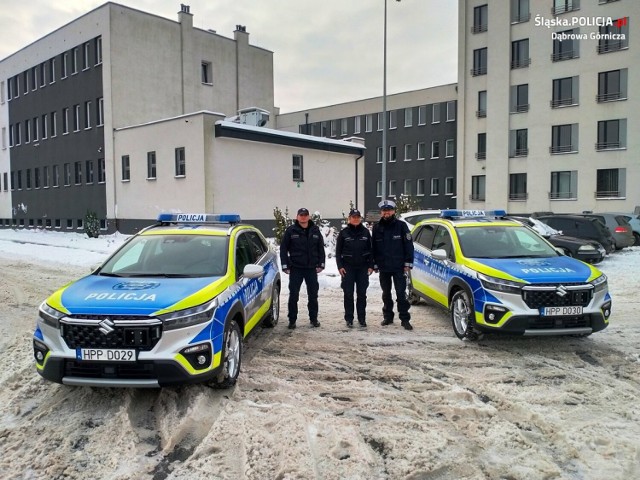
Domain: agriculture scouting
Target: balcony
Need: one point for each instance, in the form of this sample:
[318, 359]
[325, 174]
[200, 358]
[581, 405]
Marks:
[600, 146]
[612, 46]
[608, 194]
[481, 113]
[563, 196]
[477, 71]
[518, 196]
[479, 28]
[519, 152]
[520, 108]
[481, 155]
[568, 55]
[520, 18]
[610, 97]
[520, 63]
[564, 102]
[567, 7]
[556, 149]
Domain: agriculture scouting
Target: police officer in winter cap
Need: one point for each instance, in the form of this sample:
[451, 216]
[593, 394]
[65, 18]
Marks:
[393, 258]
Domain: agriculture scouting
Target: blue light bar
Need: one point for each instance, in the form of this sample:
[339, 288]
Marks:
[199, 218]
[472, 213]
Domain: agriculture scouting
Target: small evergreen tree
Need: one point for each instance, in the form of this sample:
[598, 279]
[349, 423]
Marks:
[91, 224]
[282, 222]
[406, 203]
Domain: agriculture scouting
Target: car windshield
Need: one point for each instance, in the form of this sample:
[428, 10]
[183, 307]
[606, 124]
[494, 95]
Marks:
[502, 242]
[543, 228]
[169, 256]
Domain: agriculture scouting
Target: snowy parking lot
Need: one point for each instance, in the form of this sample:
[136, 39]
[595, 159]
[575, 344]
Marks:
[329, 403]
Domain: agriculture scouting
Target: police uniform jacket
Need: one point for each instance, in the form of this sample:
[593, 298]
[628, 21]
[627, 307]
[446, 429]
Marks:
[302, 248]
[353, 247]
[392, 245]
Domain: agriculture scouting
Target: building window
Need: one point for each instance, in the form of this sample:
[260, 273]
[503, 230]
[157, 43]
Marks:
[89, 171]
[518, 143]
[393, 119]
[482, 104]
[55, 176]
[480, 19]
[478, 188]
[380, 121]
[614, 37]
[422, 150]
[25, 82]
[181, 167]
[102, 171]
[520, 11]
[67, 174]
[76, 118]
[18, 138]
[34, 78]
[450, 148]
[408, 187]
[65, 121]
[564, 6]
[479, 62]
[422, 115]
[323, 129]
[11, 133]
[77, 173]
[564, 185]
[611, 183]
[612, 85]
[408, 117]
[451, 111]
[565, 92]
[27, 131]
[612, 134]
[69, 223]
[343, 127]
[151, 165]
[564, 138]
[126, 168]
[19, 179]
[435, 113]
[518, 186]
[408, 152]
[98, 50]
[45, 176]
[100, 112]
[393, 153]
[435, 186]
[566, 46]
[449, 186]
[379, 155]
[45, 125]
[334, 128]
[36, 129]
[28, 173]
[74, 61]
[52, 70]
[481, 153]
[205, 72]
[87, 115]
[297, 168]
[378, 188]
[85, 55]
[6, 178]
[519, 98]
[520, 54]
[420, 187]
[392, 188]
[54, 124]
[435, 149]
[356, 124]
[368, 122]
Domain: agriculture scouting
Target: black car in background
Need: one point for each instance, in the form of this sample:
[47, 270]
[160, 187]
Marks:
[589, 251]
[581, 227]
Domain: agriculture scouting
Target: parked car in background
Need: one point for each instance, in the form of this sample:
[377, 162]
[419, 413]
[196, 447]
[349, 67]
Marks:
[634, 221]
[412, 218]
[589, 251]
[581, 227]
[619, 227]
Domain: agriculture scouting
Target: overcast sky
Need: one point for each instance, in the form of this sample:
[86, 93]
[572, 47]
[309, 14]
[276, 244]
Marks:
[325, 51]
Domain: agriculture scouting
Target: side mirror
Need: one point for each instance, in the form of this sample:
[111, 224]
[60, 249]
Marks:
[439, 254]
[253, 271]
[560, 251]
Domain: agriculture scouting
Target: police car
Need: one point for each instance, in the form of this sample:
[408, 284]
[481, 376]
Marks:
[496, 275]
[171, 306]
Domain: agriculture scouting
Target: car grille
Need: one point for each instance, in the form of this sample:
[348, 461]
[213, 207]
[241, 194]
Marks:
[557, 295]
[101, 331]
[577, 321]
[137, 370]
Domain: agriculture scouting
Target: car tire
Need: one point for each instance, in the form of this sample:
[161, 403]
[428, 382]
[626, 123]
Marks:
[637, 238]
[412, 296]
[231, 355]
[271, 320]
[462, 313]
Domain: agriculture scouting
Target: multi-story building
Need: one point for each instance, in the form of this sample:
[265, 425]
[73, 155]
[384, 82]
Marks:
[421, 139]
[64, 97]
[547, 110]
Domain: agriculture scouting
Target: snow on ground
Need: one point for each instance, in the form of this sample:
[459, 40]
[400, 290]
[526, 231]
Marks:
[329, 403]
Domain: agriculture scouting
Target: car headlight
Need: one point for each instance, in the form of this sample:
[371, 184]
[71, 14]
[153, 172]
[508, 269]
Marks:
[50, 315]
[600, 283]
[189, 316]
[587, 248]
[500, 285]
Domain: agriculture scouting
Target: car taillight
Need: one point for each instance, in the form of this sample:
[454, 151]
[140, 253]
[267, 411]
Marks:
[621, 230]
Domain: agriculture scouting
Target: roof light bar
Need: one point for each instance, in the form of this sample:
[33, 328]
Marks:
[472, 213]
[199, 218]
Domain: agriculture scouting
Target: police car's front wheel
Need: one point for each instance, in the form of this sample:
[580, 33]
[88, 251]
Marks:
[462, 315]
[231, 355]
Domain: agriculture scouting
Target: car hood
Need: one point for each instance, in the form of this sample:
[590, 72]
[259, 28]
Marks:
[100, 295]
[539, 270]
[570, 239]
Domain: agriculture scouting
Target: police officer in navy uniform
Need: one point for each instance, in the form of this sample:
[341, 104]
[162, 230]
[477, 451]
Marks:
[393, 258]
[355, 264]
[302, 257]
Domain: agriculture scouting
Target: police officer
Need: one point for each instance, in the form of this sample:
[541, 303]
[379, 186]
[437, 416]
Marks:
[393, 258]
[355, 264]
[302, 257]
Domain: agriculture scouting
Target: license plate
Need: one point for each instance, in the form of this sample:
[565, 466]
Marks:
[561, 311]
[106, 354]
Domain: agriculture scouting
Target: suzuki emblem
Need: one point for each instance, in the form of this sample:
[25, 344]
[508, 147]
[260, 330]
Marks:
[561, 291]
[106, 326]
